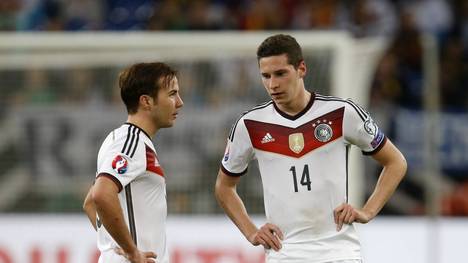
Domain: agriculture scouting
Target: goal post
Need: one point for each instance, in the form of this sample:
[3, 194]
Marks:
[220, 76]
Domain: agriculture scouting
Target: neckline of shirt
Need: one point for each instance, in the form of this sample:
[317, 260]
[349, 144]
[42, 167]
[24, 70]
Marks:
[301, 113]
[131, 124]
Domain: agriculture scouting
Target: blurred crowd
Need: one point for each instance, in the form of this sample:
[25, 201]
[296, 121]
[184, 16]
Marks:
[398, 81]
[362, 17]
[398, 78]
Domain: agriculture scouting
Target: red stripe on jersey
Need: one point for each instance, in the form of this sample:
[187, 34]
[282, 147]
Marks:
[152, 163]
[275, 138]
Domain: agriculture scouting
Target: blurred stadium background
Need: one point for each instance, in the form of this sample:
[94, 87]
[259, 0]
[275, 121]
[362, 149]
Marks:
[405, 61]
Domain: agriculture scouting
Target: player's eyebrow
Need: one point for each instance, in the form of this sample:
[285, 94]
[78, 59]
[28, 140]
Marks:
[172, 90]
[280, 71]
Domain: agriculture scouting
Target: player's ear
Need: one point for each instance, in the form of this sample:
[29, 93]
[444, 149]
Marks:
[145, 102]
[302, 69]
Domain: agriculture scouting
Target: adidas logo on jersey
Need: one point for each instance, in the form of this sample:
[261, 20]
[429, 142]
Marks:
[268, 138]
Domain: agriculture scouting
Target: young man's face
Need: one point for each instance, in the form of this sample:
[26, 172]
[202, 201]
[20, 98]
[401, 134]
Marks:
[281, 80]
[167, 105]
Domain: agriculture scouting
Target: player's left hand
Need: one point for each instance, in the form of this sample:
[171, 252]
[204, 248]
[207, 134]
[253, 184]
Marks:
[347, 214]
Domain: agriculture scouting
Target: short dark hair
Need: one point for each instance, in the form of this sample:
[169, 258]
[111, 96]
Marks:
[281, 44]
[143, 79]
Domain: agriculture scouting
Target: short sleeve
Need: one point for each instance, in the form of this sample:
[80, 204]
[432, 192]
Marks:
[361, 130]
[121, 166]
[239, 151]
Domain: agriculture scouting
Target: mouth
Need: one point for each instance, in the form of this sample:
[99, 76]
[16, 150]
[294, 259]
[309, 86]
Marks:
[276, 95]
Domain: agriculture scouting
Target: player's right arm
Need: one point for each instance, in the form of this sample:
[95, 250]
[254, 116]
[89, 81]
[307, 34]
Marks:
[268, 235]
[239, 152]
[105, 198]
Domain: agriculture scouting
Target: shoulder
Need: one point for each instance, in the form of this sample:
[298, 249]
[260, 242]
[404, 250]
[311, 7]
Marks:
[124, 140]
[258, 109]
[350, 106]
[250, 114]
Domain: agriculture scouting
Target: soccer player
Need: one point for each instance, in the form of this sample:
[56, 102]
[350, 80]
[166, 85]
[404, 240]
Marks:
[301, 141]
[129, 194]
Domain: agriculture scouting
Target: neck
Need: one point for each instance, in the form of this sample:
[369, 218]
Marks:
[298, 104]
[143, 123]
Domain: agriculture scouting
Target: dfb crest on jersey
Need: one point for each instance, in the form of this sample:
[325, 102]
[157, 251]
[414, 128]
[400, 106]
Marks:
[370, 127]
[323, 132]
[120, 164]
[296, 142]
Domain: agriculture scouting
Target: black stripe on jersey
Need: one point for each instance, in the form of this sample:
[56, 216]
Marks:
[365, 113]
[363, 116]
[131, 215]
[233, 128]
[126, 141]
[347, 162]
[381, 145]
[131, 124]
[136, 144]
[133, 136]
[131, 145]
[233, 174]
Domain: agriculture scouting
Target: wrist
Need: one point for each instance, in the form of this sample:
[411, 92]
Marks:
[250, 234]
[131, 251]
[370, 213]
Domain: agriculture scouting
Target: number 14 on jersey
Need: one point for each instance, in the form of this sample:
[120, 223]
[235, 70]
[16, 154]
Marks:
[305, 178]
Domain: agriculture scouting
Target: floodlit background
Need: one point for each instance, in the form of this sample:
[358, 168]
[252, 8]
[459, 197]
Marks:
[405, 61]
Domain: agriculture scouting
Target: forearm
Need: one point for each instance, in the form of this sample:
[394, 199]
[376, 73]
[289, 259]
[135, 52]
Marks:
[232, 204]
[110, 213]
[389, 179]
[91, 213]
[90, 209]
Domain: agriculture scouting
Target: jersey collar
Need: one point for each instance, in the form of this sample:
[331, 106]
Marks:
[131, 124]
[298, 115]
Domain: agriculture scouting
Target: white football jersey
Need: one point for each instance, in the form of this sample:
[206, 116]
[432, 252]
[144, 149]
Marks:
[127, 156]
[303, 162]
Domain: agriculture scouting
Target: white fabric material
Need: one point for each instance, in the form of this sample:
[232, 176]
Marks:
[305, 216]
[148, 190]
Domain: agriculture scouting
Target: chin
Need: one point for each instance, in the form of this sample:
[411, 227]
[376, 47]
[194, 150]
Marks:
[169, 124]
[279, 101]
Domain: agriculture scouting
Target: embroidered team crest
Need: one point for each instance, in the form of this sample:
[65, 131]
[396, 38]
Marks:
[323, 132]
[120, 164]
[370, 127]
[296, 142]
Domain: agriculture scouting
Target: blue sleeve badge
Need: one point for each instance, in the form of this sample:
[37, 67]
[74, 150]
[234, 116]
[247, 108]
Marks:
[377, 139]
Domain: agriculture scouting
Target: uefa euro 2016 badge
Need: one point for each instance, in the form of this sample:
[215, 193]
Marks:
[120, 164]
[370, 127]
[323, 131]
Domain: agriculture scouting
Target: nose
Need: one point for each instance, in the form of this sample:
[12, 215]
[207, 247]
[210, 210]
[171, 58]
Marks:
[179, 102]
[272, 83]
